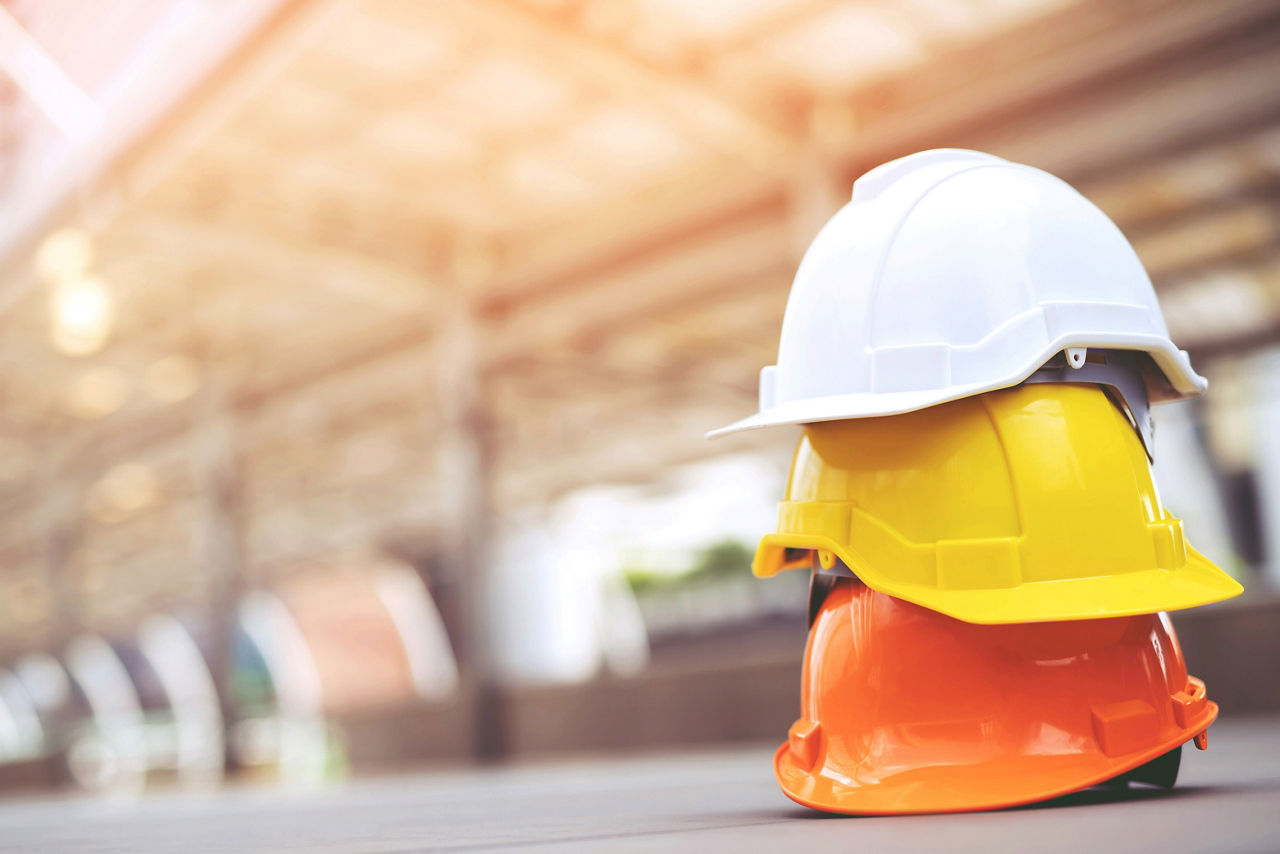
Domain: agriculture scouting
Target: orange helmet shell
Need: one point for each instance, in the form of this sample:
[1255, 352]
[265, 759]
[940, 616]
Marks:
[906, 710]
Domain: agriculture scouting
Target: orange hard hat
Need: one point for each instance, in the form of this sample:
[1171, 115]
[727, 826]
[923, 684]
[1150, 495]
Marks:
[907, 710]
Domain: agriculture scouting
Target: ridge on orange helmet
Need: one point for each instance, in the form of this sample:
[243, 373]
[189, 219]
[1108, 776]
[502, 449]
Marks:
[905, 710]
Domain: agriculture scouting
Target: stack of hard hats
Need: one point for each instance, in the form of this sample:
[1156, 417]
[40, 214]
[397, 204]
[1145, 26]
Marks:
[972, 348]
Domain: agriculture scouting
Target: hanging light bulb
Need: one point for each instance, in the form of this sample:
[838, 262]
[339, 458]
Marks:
[83, 312]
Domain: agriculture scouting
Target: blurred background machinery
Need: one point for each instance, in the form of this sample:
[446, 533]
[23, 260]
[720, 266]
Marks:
[356, 356]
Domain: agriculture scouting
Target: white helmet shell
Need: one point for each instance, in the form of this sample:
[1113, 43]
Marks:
[952, 273]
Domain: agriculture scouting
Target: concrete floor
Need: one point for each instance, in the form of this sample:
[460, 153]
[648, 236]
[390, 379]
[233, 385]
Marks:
[1228, 799]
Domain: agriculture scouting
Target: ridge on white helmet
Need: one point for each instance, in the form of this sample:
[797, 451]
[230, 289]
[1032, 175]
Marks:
[952, 273]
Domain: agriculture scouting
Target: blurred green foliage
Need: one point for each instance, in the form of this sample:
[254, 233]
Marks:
[723, 559]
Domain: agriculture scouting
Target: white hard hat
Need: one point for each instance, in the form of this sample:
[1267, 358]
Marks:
[953, 273]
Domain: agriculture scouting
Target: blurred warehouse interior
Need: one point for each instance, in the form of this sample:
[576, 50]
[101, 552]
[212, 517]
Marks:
[357, 355]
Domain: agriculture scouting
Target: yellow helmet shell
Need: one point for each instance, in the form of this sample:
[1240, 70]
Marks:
[1029, 504]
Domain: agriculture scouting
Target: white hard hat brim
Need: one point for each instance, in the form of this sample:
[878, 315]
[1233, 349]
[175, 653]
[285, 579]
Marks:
[1183, 382]
[838, 408]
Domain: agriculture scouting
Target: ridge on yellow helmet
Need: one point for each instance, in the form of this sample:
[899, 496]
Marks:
[904, 710]
[1029, 504]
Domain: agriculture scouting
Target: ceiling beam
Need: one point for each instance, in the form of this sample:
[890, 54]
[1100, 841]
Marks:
[695, 107]
[286, 264]
[118, 170]
[718, 263]
[549, 302]
[1013, 82]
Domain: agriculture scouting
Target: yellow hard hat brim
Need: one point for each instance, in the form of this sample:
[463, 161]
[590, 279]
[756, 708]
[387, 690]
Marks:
[1197, 582]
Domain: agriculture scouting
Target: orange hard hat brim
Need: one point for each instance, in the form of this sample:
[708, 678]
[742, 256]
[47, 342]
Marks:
[906, 710]
[1007, 782]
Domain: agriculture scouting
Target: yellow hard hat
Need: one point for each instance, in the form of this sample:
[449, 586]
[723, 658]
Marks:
[1028, 504]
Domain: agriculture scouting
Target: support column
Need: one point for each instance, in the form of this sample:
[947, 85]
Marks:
[1265, 367]
[463, 484]
[217, 541]
[818, 186]
[64, 529]
[64, 526]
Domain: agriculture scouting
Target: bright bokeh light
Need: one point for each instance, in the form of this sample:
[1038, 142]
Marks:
[83, 314]
[172, 379]
[123, 491]
[97, 393]
[65, 256]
